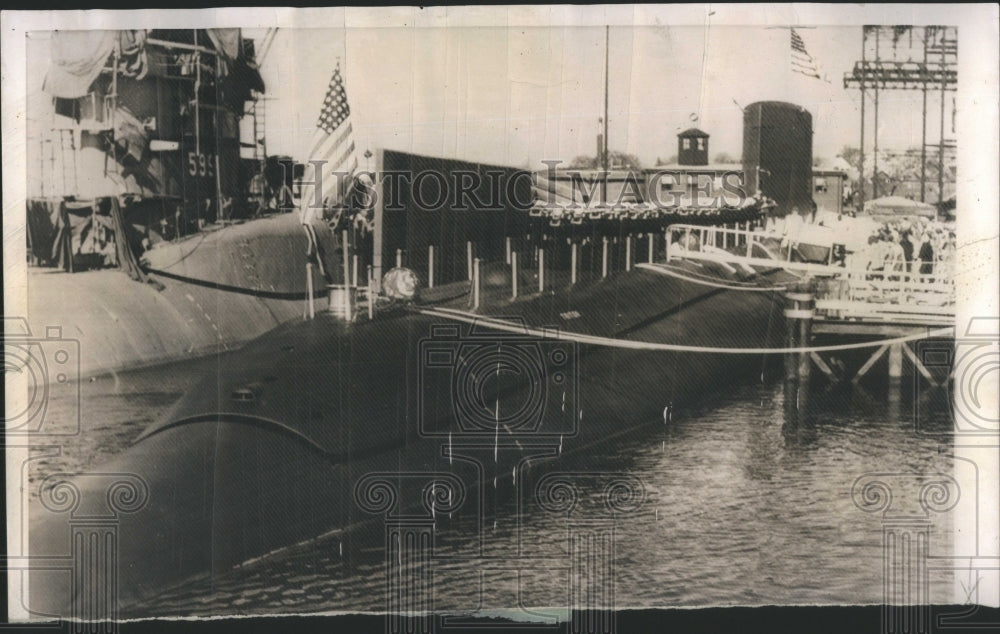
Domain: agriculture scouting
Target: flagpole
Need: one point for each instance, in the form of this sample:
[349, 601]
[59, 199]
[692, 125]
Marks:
[604, 161]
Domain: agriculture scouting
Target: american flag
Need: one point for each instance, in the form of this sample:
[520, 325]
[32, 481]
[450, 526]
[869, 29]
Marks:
[332, 143]
[802, 62]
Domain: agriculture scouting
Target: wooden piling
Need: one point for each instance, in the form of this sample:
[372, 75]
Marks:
[799, 313]
[604, 258]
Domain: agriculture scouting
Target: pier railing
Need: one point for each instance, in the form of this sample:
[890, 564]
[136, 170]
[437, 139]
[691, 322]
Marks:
[887, 296]
[893, 294]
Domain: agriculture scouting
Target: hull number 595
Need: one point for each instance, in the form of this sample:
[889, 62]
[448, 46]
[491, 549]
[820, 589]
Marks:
[201, 164]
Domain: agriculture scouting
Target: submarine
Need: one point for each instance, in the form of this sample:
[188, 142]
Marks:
[512, 333]
[155, 230]
[462, 380]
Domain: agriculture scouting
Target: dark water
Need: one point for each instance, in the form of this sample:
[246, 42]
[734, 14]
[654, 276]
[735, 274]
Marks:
[741, 508]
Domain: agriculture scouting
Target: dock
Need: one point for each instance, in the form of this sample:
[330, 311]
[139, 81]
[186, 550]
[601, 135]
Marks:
[833, 312]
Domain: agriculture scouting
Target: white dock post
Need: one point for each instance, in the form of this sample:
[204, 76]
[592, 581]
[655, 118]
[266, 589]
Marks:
[628, 253]
[309, 290]
[354, 269]
[541, 270]
[507, 241]
[399, 258]
[468, 257]
[371, 298]
[652, 237]
[896, 361]
[475, 284]
[430, 266]
[513, 274]
[347, 283]
[604, 258]
[572, 263]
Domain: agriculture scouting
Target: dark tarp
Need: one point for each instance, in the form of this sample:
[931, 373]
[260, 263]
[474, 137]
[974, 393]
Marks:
[59, 229]
[238, 83]
[131, 135]
[127, 261]
[49, 233]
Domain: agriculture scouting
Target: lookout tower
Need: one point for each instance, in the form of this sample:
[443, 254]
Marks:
[692, 147]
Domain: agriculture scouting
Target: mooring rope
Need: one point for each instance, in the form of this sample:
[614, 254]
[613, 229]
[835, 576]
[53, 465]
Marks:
[662, 270]
[610, 342]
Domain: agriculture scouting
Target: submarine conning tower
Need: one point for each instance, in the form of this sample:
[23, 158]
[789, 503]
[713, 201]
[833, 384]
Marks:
[777, 154]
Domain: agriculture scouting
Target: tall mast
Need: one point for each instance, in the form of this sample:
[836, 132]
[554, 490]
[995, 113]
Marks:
[604, 153]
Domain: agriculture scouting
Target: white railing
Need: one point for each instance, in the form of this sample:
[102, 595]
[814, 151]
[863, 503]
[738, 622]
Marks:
[886, 295]
[890, 294]
[743, 235]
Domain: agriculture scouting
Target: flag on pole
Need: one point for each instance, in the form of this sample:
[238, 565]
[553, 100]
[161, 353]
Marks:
[802, 62]
[333, 144]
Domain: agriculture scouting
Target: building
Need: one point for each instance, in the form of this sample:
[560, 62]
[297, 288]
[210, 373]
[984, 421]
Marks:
[777, 157]
[692, 147]
[829, 189]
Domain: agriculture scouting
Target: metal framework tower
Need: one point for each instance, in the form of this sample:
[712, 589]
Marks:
[923, 58]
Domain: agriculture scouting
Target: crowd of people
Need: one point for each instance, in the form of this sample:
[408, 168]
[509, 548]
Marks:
[919, 246]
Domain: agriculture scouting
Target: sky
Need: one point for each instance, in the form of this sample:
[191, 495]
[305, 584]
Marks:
[513, 96]
[518, 96]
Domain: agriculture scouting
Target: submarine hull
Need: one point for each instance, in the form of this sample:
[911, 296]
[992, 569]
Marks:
[274, 448]
[212, 292]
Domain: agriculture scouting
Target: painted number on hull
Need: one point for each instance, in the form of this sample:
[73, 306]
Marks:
[201, 164]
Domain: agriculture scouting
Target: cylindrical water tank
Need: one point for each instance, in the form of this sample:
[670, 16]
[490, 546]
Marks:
[777, 154]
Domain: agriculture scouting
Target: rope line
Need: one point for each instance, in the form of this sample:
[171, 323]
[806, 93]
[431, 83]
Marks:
[609, 342]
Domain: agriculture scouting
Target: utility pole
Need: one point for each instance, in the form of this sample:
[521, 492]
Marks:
[910, 69]
[604, 153]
